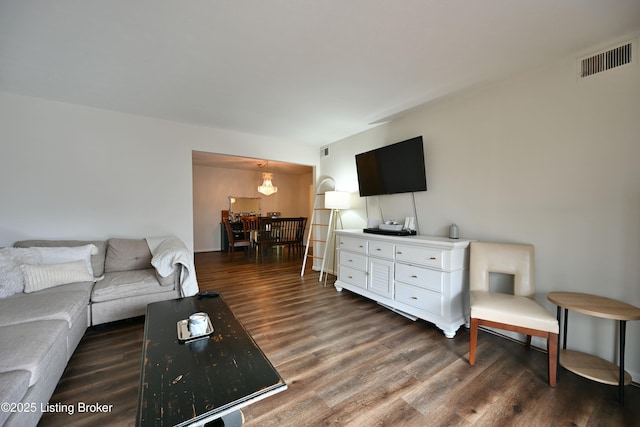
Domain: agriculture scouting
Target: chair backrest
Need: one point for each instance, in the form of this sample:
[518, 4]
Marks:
[268, 230]
[227, 226]
[302, 225]
[233, 240]
[508, 258]
[249, 224]
[281, 230]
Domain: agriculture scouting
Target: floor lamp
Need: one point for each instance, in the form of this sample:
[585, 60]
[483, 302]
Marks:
[336, 201]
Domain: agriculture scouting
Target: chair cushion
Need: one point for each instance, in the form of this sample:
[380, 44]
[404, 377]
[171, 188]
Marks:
[512, 310]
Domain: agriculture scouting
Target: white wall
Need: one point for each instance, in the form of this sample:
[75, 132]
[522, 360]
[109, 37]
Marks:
[212, 186]
[542, 159]
[68, 171]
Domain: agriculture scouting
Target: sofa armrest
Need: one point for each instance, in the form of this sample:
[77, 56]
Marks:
[169, 253]
[171, 280]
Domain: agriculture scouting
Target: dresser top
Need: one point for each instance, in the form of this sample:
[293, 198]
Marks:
[421, 239]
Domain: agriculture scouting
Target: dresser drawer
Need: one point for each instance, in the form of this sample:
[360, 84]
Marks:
[420, 277]
[353, 245]
[381, 249]
[351, 260]
[352, 276]
[419, 298]
[431, 257]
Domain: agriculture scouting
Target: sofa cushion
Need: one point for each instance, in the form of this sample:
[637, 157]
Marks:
[63, 305]
[127, 254]
[64, 254]
[33, 347]
[97, 260]
[123, 284]
[13, 387]
[11, 277]
[39, 277]
[82, 287]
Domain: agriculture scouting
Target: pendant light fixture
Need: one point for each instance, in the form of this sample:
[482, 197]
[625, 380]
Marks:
[267, 187]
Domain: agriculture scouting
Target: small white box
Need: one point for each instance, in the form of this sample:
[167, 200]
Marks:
[391, 227]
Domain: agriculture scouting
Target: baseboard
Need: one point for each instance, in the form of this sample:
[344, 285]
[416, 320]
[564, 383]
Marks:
[197, 251]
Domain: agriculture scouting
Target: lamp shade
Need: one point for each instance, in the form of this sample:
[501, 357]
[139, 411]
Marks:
[336, 200]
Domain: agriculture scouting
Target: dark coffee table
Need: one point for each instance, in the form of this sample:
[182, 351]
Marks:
[204, 380]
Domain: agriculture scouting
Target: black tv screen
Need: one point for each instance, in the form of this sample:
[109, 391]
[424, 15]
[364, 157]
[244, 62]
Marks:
[395, 168]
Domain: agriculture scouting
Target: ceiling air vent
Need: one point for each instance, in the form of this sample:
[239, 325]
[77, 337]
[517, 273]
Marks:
[324, 152]
[605, 60]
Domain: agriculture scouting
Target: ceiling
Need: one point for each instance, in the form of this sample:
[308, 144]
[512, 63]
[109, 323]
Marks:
[214, 160]
[307, 71]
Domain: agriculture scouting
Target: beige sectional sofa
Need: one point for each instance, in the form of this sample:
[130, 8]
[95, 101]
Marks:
[41, 326]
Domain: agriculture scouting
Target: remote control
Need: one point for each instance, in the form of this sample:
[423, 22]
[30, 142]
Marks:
[208, 294]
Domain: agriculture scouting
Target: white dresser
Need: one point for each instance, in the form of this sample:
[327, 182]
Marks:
[422, 277]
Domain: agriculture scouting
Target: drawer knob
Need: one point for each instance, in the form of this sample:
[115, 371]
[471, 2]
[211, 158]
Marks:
[350, 277]
[399, 253]
[378, 249]
[433, 258]
[413, 276]
[361, 246]
[414, 297]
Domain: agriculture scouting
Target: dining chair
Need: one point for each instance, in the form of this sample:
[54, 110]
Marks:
[517, 312]
[237, 238]
[299, 237]
[250, 230]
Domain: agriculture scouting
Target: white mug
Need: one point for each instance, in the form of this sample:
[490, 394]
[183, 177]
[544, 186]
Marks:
[198, 323]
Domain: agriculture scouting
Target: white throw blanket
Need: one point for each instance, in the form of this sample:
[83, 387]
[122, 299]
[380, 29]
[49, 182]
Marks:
[170, 252]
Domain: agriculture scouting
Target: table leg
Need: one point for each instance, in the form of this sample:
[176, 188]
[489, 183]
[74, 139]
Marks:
[234, 419]
[566, 322]
[559, 317]
[623, 327]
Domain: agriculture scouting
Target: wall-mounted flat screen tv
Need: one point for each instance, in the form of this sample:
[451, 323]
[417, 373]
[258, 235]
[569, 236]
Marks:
[395, 168]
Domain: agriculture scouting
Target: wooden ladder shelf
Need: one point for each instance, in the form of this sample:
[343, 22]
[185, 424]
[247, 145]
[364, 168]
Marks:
[319, 226]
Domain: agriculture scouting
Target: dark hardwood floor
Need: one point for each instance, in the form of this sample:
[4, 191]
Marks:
[347, 361]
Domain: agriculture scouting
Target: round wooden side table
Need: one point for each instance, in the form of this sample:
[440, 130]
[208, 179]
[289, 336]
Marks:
[586, 365]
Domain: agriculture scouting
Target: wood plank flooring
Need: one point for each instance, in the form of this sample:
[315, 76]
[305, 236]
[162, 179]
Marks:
[347, 362]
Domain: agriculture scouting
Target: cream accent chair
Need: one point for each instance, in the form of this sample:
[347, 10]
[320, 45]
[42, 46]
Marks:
[518, 312]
